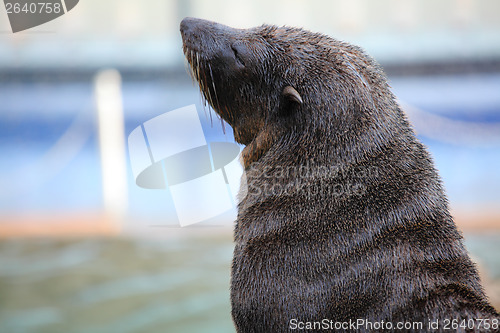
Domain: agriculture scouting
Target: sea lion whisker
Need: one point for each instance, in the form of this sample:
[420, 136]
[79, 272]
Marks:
[213, 85]
[193, 66]
[198, 65]
[201, 80]
[207, 88]
[187, 64]
[222, 125]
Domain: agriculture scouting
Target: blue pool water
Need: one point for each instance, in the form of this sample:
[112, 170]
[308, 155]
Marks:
[50, 158]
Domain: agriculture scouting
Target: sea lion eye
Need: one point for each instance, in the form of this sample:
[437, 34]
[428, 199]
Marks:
[237, 54]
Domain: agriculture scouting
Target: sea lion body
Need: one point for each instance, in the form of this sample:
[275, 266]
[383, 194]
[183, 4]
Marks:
[344, 217]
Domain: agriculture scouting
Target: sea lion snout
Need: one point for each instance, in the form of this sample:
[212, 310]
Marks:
[212, 42]
[192, 32]
[191, 25]
[186, 25]
[202, 33]
[220, 59]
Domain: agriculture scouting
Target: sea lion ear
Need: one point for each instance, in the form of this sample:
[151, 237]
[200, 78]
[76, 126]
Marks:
[292, 95]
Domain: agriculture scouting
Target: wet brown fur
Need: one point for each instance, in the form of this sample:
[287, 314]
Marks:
[343, 216]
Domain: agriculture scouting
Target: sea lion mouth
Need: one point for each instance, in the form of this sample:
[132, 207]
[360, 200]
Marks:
[217, 61]
[201, 72]
[212, 64]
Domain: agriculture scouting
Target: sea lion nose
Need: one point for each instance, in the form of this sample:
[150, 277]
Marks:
[187, 25]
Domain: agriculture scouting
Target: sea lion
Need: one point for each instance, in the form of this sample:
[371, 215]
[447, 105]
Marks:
[344, 224]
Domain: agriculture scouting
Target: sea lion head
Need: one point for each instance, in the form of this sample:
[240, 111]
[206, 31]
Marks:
[273, 83]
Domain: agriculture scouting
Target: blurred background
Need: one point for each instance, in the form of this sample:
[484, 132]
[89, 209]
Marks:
[75, 258]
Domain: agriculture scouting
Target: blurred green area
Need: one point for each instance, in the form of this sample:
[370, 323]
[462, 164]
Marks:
[122, 285]
[115, 285]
